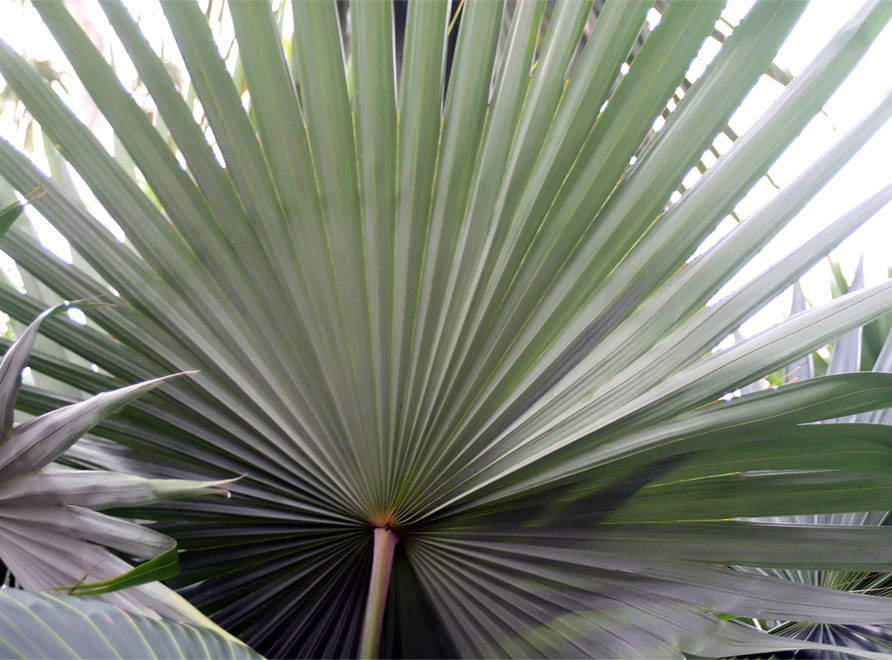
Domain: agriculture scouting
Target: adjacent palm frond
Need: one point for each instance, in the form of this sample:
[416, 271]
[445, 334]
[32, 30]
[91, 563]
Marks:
[45, 626]
[52, 535]
[452, 340]
[9, 214]
[847, 357]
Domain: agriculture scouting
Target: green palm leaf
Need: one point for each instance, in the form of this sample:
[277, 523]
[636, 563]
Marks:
[845, 358]
[446, 329]
[53, 537]
[44, 626]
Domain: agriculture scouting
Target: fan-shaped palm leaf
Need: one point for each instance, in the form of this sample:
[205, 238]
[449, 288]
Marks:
[451, 338]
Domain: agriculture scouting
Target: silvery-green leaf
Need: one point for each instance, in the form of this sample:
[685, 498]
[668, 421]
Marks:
[50, 626]
[847, 349]
[99, 489]
[14, 360]
[39, 441]
[802, 369]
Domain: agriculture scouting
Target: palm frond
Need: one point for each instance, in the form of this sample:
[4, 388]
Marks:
[845, 358]
[52, 534]
[42, 625]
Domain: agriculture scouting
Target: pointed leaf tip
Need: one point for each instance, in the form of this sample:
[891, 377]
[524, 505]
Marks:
[15, 359]
[39, 441]
[10, 214]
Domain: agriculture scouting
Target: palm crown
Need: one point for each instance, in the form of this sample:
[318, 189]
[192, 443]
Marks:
[447, 332]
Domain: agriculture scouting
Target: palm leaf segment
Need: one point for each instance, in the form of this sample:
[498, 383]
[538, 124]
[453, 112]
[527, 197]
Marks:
[851, 353]
[52, 535]
[451, 317]
[48, 626]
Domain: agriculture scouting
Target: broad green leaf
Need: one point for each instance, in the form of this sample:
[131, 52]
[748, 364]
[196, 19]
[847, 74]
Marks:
[768, 544]
[46, 626]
